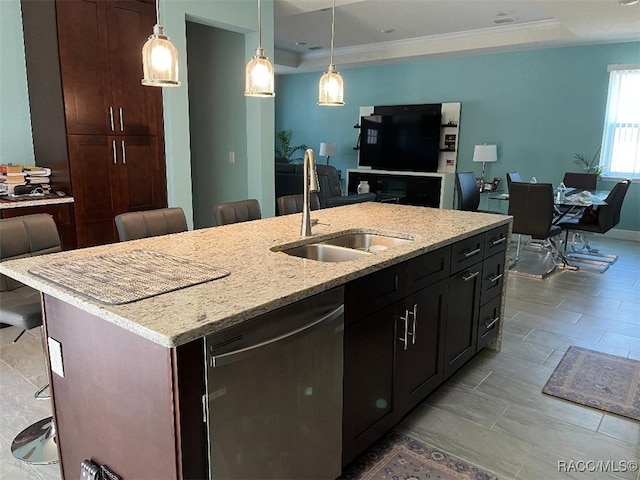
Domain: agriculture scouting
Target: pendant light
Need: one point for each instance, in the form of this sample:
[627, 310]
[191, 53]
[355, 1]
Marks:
[159, 58]
[259, 71]
[331, 89]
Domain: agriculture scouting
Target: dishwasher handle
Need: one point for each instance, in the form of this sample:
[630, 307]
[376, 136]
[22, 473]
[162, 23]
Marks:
[235, 355]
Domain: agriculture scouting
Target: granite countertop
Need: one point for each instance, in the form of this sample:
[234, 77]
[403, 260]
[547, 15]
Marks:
[261, 280]
[33, 201]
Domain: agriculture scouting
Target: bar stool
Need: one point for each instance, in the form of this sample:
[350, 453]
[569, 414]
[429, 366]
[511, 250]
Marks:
[20, 306]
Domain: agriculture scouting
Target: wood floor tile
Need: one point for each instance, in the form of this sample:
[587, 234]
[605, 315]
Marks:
[622, 428]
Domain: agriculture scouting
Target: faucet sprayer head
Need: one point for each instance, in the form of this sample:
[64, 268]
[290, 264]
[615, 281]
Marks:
[310, 157]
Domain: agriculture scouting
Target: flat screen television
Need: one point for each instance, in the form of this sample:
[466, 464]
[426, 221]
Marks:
[406, 141]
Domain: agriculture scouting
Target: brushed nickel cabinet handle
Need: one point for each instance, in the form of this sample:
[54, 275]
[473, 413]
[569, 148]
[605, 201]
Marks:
[496, 278]
[472, 253]
[124, 153]
[405, 338]
[414, 323]
[492, 323]
[111, 118]
[113, 150]
[470, 275]
[499, 241]
[121, 119]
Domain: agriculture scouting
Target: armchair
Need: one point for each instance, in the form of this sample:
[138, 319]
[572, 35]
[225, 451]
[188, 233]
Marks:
[289, 182]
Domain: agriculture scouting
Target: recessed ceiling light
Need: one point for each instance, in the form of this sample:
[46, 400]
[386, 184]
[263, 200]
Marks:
[502, 14]
[626, 3]
[317, 47]
[301, 44]
[388, 30]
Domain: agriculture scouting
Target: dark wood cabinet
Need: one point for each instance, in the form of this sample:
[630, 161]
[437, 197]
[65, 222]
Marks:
[93, 123]
[100, 45]
[420, 345]
[464, 298]
[369, 348]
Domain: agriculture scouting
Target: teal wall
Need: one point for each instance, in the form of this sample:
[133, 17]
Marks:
[540, 107]
[15, 122]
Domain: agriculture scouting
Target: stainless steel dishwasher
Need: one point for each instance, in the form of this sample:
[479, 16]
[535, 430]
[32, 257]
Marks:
[274, 393]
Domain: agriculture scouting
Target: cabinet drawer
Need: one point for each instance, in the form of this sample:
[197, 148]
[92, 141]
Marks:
[488, 323]
[495, 240]
[492, 277]
[467, 252]
[374, 291]
[428, 269]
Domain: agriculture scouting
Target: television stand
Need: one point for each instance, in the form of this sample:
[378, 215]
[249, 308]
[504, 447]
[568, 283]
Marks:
[410, 188]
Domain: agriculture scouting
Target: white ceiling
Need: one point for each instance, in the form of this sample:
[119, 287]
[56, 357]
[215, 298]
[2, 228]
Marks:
[383, 31]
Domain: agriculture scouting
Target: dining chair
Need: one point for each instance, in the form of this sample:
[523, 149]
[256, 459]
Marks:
[606, 217]
[582, 181]
[468, 191]
[150, 223]
[20, 306]
[288, 204]
[532, 208]
[236, 212]
[512, 177]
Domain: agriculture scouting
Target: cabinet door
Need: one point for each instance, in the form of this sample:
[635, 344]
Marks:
[94, 178]
[137, 109]
[488, 322]
[141, 176]
[84, 65]
[368, 380]
[462, 320]
[420, 345]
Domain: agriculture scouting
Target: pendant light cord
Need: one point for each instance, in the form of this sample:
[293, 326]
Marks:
[158, 12]
[259, 24]
[333, 28]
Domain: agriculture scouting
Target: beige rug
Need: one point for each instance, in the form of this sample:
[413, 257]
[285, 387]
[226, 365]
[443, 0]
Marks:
[397, 456]
[599, 380]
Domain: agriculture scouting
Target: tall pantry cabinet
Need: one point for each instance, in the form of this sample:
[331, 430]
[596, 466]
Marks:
[93, 123]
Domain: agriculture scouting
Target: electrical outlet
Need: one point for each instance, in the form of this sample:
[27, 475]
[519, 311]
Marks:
[55, 357]
[232, 157]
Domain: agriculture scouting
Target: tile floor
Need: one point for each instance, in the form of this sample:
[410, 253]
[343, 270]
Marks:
[492, 413]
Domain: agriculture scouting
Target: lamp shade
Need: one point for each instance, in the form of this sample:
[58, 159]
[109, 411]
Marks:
[485, 153]
[328, 149]
[159, 60]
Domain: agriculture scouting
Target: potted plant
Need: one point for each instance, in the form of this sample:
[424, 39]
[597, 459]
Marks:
[284, 149]
[589, 166]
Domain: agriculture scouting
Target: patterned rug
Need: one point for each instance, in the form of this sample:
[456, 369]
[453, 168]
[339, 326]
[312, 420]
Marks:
[399, 457]
[599, 380]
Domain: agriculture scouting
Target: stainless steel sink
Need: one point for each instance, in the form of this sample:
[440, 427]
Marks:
[368, 242]
[325, 253]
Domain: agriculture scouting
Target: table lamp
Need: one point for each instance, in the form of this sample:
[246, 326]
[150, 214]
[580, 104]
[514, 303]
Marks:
[327, 150]
[485, 153]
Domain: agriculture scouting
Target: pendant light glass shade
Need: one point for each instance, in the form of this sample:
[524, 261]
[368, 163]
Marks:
[259, 76]
[159, 58]
[331, 87]
[259, 72]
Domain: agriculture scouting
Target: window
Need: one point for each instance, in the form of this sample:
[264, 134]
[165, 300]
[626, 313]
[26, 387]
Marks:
[621, 136]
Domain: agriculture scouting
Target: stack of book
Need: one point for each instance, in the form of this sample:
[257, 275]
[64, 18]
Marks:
[38, 177]
[10, 177]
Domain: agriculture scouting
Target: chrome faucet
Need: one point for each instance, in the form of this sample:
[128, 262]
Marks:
[310, 185]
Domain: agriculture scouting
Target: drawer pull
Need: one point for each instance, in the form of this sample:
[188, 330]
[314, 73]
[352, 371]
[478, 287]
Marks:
[472, 253]
[470, 275]
[124, 153]
[111, 118]
[492, 323]
[496, 278]
[121, 119]
[498, 241]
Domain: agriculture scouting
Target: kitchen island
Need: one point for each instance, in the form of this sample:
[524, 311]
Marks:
[132, 392]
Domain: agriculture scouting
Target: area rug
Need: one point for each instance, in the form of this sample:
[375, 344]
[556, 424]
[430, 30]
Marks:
[598, 380]
[399, 457]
